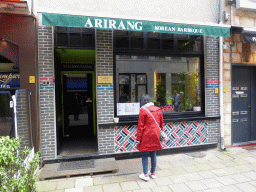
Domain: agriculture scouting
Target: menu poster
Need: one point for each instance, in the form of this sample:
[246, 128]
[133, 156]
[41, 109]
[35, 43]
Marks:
[128, 108]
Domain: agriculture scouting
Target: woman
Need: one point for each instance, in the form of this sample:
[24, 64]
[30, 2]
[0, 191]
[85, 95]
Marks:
[148, 135]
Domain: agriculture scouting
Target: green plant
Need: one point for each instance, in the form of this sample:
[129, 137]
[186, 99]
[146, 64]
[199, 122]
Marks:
[15, 175]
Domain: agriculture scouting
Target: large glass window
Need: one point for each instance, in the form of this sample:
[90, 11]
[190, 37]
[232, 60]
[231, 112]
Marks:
[173, 82]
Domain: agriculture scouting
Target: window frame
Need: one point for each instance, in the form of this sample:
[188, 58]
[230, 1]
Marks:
[166, 53]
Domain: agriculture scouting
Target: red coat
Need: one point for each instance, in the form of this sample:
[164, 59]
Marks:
[148, 132]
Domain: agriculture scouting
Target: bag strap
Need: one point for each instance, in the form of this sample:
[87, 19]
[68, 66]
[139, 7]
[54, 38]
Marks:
[152, 116]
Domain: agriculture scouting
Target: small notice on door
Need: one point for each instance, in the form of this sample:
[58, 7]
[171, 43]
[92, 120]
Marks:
[239, 92]
[128, 108]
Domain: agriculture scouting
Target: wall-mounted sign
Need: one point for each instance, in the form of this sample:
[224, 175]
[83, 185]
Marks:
[9, 80]
[32, 79]
[246, 4]
[105, 80]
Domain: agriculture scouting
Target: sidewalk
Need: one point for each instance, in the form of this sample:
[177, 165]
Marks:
[231, 171]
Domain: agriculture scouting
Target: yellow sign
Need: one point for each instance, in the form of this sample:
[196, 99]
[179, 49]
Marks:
[105, 80]
[216, 90]
[32, 79]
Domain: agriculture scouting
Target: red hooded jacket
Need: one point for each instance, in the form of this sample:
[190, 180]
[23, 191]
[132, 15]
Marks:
[148, 132]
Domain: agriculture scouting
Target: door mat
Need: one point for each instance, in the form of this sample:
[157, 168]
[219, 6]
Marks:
[73, 165]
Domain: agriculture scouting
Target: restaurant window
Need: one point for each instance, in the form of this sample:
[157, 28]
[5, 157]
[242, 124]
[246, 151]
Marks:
[173, 82]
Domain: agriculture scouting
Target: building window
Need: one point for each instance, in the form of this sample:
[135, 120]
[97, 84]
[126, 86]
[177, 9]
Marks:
[173, 82]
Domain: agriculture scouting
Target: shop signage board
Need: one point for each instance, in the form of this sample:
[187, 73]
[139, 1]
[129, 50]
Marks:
[63, 20]
[9, 80]
[105, 80]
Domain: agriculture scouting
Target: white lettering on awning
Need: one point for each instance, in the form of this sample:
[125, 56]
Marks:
[88, 22]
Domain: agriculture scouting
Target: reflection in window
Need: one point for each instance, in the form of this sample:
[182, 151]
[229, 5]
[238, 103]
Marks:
[172, 82]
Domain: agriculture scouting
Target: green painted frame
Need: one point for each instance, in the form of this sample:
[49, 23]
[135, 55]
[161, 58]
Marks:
[93, 95]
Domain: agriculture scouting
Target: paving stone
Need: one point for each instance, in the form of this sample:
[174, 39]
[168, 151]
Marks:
[253, 183]
[84, 182]
[163, 181]
[240, 178]
[207, 174]
[178, 170]
[250, 159]
[230, 188]
[143, 190]
[229, 163]
[120, 178]
[97, 188]
[211, 183]
[204, 167]
[101, 180]
[192, 176]
[212, 190]
[227, 180]
[244, 168]
[164, 172]
[164, 165]
[178, 179]
[191, 168]
[146, 184]
[220, 172]
[216, 165]
[179, 187]
[240, 161]
[250, 174]
[113, 187]
[246, 187]
[46, 185]
[161, 189]
[231, 170]
[130, 185]
[196, 185]
[74, 190]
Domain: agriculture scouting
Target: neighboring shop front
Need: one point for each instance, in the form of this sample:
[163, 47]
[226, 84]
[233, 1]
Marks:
[239, 71]
[176, 64]
[18, 48]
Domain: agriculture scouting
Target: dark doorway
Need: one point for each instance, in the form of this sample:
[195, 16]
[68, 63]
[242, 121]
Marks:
[243, 93]
[78, 120]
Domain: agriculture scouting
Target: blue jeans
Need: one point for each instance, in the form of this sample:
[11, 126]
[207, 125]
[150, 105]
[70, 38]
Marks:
[145, 161]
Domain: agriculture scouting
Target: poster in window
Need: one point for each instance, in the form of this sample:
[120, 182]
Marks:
[124, 79]
[128, 108]
[141, 79]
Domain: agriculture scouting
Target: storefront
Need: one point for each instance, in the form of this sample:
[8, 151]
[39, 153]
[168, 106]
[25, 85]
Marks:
[18, 59]
[176, 64]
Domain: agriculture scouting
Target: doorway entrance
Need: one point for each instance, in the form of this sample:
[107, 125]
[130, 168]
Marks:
[243, 93]
[79, 134]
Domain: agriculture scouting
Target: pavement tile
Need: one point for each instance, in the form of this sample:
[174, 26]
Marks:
[250, 159]
[146, 184]
[84, 182]
[161, 189]
[180, 187]
[250, 174]
[191, 168]
[101, 180]
[164, 165]
[240, 161]
[201, 160]
[46, 185]
[164, 172]
[193, 176]
[220, 172]
[66, 184]
[207, 174]
[212, 190]
[226, 180]
[129, 185]
[120, 178]
[163, 181]
[142, 190]
[230, 188]
[224, 157]
[178, 170]
[178, 179]
[229, 163]
[246, 187]
[204, 166]
[240, 177]
[253, 183]
[211, 183]
[74, 190]
[113, 187]
[97, 188]
[232, 170]
[216, 165]
[196, 185]
[244, 168]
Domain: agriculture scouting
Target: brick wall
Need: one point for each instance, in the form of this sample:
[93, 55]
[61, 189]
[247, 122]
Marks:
[23, 112]
[47, 92]
[212, 108]
[105, 93]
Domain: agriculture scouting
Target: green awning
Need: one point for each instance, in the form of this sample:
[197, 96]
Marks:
[76, 56]
[63, 20]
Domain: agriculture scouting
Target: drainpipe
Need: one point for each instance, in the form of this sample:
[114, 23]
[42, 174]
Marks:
[222, 147]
